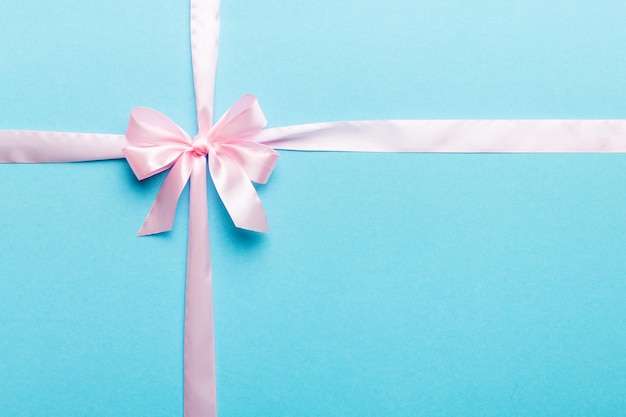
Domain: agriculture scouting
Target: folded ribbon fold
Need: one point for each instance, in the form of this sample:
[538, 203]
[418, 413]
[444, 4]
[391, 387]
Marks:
[235, 159]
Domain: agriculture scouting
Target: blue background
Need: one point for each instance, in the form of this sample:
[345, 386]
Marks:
[390, 285]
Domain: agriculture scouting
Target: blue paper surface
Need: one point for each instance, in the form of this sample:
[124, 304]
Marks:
[390, 285]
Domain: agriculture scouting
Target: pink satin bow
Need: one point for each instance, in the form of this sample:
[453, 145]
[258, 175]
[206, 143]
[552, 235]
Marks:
[235, 159]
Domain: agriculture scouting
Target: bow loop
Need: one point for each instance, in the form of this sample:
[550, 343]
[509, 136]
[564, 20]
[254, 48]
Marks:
[155, 142]
[148, 127]
[242, 121]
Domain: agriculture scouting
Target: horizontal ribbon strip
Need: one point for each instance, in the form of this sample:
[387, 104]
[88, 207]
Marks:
[463, 136]
[34, 146]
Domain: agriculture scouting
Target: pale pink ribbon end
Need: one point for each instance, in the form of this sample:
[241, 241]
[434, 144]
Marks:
[153, 227]
[256, 223]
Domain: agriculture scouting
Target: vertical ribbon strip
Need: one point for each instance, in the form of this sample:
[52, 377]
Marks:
[205, 30]
[200, 396]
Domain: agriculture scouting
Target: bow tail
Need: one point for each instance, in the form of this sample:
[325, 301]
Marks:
[199, 368]
[237, 192]
[161, 215]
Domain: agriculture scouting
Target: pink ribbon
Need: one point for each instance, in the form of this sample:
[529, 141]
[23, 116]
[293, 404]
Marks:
[240, 152]
[235, 159]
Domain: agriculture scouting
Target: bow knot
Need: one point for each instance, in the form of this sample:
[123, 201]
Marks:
[200, 145]
[235, 160]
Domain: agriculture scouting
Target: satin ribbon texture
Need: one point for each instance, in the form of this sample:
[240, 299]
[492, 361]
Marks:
[235, 160]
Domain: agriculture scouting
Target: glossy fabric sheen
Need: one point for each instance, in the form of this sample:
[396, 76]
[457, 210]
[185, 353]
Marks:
[238, 152]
